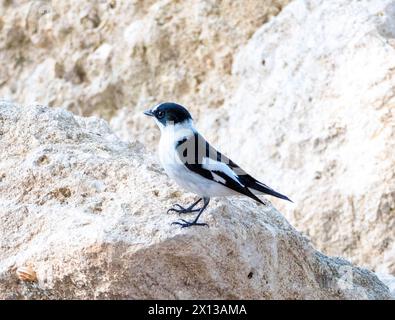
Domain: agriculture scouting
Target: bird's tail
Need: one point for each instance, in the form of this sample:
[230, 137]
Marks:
[258, 186]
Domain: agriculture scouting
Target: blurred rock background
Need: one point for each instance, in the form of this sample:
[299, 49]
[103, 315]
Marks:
[300, 93]
[97, 57]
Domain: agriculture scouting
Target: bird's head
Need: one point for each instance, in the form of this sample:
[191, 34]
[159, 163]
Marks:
[169, 114]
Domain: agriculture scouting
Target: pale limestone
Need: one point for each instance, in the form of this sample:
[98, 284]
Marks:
[306, 106]
[86, 213]
[313, 116]
[96, 57]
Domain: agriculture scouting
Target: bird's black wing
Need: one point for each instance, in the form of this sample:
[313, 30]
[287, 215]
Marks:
[195, 152]
[201, 158]
[251, 182]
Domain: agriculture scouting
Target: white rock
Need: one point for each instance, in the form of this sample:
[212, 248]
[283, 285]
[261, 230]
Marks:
[87, 213]
[313, 116]
[161, 50]
[320, 108]
[389, 280]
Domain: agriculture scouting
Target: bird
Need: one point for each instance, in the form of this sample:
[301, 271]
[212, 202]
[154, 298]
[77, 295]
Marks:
[196, 166]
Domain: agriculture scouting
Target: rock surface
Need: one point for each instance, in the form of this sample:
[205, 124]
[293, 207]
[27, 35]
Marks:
[313, 101]
[316, 105]
[85, 212]
[389, 281]
[310, 95]
[99, 56]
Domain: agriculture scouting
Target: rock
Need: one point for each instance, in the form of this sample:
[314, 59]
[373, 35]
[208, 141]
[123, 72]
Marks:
[310, 102]
[308, 99]
[389, 281]
[84, 213]
[313, 116]
[124, 54]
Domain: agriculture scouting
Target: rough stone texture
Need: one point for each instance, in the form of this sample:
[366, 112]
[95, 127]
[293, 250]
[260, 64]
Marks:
[86, 212]
[389, 281]
[313, 116]
[308, 103]
[99, 56]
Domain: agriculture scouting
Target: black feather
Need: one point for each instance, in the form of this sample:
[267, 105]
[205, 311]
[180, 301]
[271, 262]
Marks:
[258, 186]
[193, 149]
[252, 183]
[238, 187]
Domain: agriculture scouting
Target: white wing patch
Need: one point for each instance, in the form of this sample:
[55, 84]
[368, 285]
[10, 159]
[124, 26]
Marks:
[212, 165]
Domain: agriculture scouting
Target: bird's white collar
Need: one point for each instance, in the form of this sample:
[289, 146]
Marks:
[178, 131]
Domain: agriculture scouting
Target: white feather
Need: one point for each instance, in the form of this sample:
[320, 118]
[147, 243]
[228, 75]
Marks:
[214, 165]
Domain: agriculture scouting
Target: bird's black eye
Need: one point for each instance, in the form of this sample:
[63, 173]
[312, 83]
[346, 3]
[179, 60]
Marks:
[160, 114]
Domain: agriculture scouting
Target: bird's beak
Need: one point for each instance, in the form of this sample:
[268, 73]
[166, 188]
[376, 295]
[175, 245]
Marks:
[149, 113]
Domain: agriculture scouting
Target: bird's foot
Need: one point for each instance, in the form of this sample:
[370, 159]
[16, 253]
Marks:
[182, 210]
[186, 224]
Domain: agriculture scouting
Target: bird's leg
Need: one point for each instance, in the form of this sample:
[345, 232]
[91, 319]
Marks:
[185, 224]
[185, 210]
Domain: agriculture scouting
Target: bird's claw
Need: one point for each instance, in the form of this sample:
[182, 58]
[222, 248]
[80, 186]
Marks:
[175, 210]
[187, 224]
[180, 206]
[181, 209]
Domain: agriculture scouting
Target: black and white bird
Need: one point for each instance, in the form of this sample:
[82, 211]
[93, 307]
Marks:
[196, 166]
